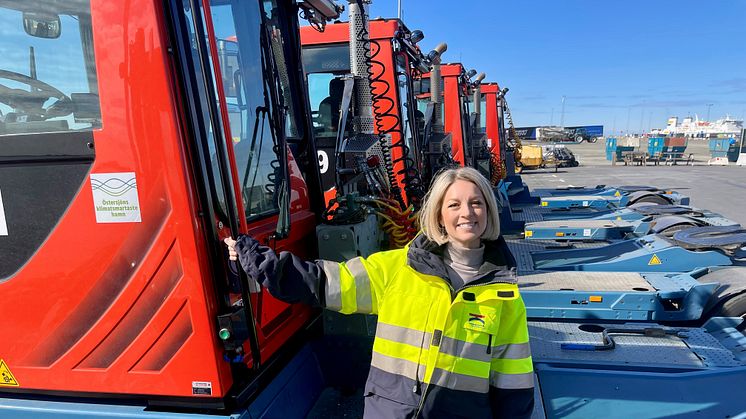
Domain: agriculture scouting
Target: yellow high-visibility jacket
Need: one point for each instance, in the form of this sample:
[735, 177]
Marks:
[438, 352]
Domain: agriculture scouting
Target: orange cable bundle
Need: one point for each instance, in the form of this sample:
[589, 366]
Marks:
[400, 226]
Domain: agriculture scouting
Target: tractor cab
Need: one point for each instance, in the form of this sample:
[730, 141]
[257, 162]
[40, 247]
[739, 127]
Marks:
[364, 114]
[459, 127]
[481, 157]
[491, 107]
[447, 87]
[134, 137]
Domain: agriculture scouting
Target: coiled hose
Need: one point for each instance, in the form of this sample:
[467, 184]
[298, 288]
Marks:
[362, 35]
[497, 168]
[400, 226]
[398, 220]
[388, 120]
[516, 141]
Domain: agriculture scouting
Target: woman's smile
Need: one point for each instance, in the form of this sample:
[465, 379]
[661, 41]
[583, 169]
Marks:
[464, 214]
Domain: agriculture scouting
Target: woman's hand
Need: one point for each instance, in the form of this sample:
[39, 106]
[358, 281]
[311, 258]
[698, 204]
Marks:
[232, 255]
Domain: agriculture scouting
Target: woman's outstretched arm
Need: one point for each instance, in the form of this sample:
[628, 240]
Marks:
[355, 286]
[286, 276]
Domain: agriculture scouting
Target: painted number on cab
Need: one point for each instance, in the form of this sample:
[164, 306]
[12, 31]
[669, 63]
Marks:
[323, 161]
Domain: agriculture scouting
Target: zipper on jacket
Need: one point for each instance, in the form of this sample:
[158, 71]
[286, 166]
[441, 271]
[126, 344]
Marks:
[439, 334]
[416, 387]
[489, 344]
[454, 293]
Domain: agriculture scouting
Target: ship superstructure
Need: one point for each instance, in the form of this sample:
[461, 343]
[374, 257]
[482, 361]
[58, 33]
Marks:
[693, 127]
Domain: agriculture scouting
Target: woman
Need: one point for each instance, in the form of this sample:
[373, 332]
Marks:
[451, 339]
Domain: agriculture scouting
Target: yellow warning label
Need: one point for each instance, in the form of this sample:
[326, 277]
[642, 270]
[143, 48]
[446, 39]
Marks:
[618, 218]
[617, 194]
[528, 233]
[544, 203]
[6, 377]
[655, 260]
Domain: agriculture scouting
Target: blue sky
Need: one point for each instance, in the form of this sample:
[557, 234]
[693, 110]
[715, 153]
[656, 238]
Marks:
[624, 64]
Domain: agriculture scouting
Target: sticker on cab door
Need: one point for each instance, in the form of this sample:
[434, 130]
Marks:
[202, 388]
[115, 197]
[3, 224]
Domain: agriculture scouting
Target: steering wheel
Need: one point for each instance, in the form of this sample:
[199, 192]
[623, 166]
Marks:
[32, 102]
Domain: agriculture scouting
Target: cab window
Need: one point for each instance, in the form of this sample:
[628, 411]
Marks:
[323, 66]
[483, 114]
[48, 80]
[243, 54]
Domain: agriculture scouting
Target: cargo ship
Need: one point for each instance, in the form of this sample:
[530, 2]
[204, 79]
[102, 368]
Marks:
[693, 127]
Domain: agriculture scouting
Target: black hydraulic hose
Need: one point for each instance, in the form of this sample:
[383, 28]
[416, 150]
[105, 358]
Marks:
[278, 178]
[388, 163]
[386, 111]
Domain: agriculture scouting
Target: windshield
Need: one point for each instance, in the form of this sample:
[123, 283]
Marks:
[412, 120]
[323, 65]
[483, 114]
[251, 51]
[48, 77]
[421, 88]
[465, 101]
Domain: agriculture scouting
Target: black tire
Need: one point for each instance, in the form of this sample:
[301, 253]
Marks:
[671, 230]
[651, 199]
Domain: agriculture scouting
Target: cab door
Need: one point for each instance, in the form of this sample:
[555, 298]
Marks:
[252, 85]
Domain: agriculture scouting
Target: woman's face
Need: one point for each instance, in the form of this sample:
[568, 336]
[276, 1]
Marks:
[464, 214]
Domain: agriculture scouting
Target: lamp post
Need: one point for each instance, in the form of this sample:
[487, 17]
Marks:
[629, 110]
[709, 105]
[562, 117]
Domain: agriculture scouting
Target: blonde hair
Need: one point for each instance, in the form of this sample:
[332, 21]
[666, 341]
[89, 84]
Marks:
[430, 211]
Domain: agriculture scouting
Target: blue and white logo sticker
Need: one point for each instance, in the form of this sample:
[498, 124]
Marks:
[115, 197]
[3, 224]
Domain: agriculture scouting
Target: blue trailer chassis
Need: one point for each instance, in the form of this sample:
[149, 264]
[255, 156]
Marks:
[610, 227]
[616, 296]
[651, 253]
[652, 372]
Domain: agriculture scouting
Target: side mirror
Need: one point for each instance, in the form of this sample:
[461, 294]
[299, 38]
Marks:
[42, 25]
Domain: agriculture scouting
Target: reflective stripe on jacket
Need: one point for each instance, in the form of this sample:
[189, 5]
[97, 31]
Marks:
[437, 351]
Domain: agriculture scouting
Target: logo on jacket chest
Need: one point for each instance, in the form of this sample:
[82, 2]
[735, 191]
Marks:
[476, 320]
